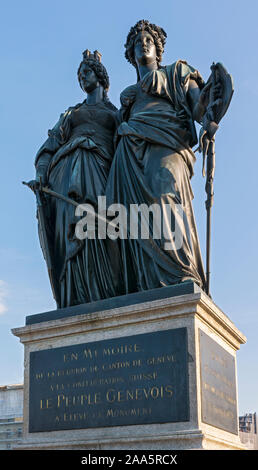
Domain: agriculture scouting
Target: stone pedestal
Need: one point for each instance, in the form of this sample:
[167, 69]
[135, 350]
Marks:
[156, 373]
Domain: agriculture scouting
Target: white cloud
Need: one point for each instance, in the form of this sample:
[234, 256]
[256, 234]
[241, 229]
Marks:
[3, 295]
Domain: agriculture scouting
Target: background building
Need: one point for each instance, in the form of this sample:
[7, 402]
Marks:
[248, 430]
[11, 415]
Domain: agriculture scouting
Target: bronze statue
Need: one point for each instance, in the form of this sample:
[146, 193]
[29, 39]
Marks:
[74, 162]
[151, 165]
[154, 160]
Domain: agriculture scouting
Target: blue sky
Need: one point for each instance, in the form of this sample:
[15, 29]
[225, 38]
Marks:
[42, 42]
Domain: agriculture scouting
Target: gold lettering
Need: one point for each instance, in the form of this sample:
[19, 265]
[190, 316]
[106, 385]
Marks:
[219, 376]
[161, 359]
[97, 398]
[219, 359]
[129, 395]
[89, 354]
[111, 392]
[81, 400]
[136, 363]
[156, 390]
[113, 413]
[168, 389]
[46, 403]
[75, 356]
[219, 393]
[151, 376]
[138, 393]
[116, 365]
[58, 387]
[60, 400]
[39, 376]
[121, 349]
[221, 412]
[71, 417]
[120, 396]
[77, 370]
[50, 374]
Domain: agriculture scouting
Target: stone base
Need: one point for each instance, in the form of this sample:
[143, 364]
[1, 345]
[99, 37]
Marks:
[191, 440]
[211, 396]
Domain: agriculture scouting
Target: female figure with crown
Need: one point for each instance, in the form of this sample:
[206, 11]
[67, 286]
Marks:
[74, 162]
[154, 162]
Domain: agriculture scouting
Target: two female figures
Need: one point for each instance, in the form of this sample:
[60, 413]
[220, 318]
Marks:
[153, 163]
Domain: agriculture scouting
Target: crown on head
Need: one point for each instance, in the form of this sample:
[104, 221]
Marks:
[95, 56]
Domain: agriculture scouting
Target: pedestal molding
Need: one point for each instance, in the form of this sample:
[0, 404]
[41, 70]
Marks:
[197, 304]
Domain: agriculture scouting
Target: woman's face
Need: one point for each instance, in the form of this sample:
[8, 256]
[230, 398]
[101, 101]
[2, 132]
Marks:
[88, 79]
[144, 49]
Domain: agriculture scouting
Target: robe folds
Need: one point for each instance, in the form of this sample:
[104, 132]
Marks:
[75, 162]
[153, 164]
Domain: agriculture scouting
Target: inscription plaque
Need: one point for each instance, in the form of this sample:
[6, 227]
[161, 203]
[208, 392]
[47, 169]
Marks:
[138, 379]
[218, 385]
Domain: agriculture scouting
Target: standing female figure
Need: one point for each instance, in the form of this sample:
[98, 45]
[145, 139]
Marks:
[75, 162]
[154, 161]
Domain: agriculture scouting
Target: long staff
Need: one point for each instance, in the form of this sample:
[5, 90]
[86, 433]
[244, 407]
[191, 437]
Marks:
[220, 95]
[210, 171]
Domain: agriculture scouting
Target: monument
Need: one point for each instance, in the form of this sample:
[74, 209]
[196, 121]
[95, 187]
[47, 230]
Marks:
[136, 355]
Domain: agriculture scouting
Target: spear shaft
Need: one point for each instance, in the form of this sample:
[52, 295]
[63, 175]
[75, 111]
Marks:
[209, 203]
[211, 127]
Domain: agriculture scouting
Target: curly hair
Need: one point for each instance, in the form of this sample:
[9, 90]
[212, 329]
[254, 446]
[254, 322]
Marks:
[159, 38]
